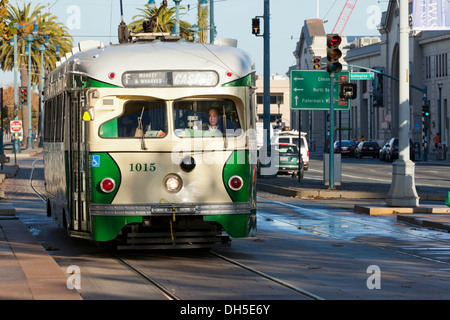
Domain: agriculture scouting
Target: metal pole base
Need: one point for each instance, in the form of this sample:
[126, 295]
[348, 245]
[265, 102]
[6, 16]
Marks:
[17, 146]
[30, 143]
[403, 190]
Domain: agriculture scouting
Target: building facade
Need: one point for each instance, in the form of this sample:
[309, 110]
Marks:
[279, 101]
[374, 114]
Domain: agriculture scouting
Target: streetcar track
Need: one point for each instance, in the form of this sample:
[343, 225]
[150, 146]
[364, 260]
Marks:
[165, 291]
[30, 182]
[269, 277]
[171, 296]
[316, 231]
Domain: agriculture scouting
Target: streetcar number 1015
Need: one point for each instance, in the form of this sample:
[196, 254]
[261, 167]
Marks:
[142, 167]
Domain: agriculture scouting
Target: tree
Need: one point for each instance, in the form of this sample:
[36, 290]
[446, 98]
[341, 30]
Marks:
[3, 15]
[46, 23]
[166, 21]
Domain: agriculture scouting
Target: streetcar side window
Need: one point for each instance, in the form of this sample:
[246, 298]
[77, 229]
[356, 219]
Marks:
[141, 118]
[206, 118]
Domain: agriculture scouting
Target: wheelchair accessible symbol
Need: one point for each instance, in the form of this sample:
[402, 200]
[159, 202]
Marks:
[95, 161]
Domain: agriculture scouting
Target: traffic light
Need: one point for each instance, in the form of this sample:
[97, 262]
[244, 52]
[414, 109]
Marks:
[333, 53]
[317, 62]
[23, 95]
[256, 29]
[347, 91]
[426, 111]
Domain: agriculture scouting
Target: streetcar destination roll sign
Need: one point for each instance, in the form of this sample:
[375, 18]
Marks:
[148, 79]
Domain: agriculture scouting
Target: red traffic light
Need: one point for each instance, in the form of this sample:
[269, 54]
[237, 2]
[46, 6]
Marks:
[333, 53]
[333, 40]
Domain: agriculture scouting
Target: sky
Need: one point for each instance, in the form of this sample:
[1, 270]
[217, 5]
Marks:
[87, 19]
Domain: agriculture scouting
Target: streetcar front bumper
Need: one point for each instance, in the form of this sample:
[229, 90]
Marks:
[237, 219]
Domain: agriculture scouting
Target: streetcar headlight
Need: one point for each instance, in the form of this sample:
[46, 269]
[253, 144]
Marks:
[235, 183]
[172, 183]
[107, 185]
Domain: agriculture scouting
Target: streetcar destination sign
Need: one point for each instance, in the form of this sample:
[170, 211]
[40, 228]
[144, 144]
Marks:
[148, 79]
[310, 90]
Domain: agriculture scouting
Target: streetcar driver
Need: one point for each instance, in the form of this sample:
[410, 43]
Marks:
[213, 121]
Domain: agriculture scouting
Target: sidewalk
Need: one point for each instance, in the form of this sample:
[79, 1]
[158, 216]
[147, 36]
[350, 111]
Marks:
[28, 271]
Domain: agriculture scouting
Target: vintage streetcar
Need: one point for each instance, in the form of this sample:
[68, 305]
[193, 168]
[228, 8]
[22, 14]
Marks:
[151, 144]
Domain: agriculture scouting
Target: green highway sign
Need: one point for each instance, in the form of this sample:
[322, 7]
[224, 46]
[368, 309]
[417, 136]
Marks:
[310, 90]
[362, 76]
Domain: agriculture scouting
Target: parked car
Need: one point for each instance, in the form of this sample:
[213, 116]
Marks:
[347, 148]
[392, 150]
[382, 154]
[367, 149]
[289, 160]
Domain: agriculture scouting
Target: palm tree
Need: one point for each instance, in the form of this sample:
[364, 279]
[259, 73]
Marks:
[58, 37]
[3, 14]
[166, 21]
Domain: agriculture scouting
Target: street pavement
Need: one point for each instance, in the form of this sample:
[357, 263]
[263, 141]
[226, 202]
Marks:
[367, 197]
[30, 273]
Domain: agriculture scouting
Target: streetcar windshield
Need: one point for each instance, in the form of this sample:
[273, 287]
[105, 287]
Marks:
[141, 118]
[206, 118]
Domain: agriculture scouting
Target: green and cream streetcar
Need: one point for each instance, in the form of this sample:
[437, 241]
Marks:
[151, 144]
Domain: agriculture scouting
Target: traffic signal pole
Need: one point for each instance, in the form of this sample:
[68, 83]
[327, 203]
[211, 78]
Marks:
[267, 75]
[333, 67]
[331, 160]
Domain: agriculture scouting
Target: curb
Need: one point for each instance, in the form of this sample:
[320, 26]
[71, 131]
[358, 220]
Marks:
[310, 193]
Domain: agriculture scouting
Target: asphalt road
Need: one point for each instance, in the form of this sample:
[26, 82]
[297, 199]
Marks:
[373, 170]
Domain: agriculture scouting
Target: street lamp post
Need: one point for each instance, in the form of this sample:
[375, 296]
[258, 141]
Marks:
[440, 111]
[402, 192]
[177, 17]
[212, 29]
[42, 48]
[16, 95]
[151, 4]
[30, 39]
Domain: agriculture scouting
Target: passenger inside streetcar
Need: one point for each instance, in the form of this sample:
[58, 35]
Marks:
[141, 119]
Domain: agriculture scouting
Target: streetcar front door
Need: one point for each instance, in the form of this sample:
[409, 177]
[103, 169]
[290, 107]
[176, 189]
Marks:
[78, 165]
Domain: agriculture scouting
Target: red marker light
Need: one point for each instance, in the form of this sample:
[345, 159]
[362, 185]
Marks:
[107, 185]
[235, 183]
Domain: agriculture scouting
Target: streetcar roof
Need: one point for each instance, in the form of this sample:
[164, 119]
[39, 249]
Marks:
[98, 63]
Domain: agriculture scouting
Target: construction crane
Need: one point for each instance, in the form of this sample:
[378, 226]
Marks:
[344, 16]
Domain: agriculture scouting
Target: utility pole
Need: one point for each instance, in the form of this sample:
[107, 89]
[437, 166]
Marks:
[403, 190]
[267, 75]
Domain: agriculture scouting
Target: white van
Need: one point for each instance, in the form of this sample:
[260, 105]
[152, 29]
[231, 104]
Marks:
[292, 137]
